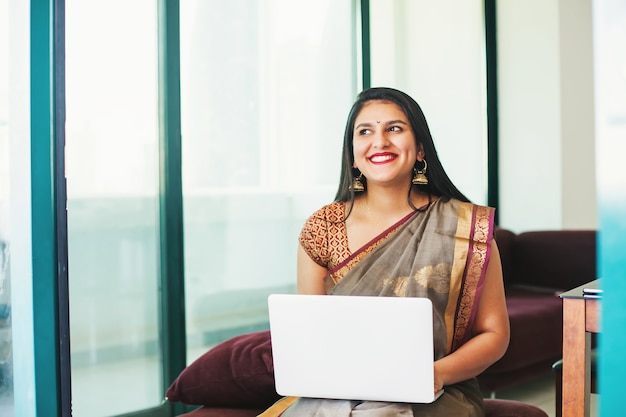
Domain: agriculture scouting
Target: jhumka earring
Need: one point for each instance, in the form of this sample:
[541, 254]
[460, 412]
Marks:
[419, 175]
[357, 185]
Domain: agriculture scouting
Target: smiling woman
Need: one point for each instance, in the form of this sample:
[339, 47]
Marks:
[401, 235]
[385, 152]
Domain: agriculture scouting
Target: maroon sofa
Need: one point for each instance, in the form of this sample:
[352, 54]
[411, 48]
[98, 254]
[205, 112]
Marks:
[235, 378]
[537, 266]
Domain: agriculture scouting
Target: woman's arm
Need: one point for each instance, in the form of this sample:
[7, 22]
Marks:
[490, 330]
[310, 274]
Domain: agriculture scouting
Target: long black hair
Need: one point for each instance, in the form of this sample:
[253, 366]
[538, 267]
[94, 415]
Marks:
[439, 183]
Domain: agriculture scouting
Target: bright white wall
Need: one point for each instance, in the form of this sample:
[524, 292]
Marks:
[578, 140]
[545, 57]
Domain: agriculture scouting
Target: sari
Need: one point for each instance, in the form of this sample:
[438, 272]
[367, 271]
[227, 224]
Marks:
[441, 253]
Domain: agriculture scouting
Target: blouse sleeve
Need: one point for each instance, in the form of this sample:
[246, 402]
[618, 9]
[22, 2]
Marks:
[314, 238]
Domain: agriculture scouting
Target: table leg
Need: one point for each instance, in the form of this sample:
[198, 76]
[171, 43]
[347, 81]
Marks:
[576, 362]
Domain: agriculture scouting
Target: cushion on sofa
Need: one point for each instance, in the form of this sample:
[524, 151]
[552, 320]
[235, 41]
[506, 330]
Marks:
[238, 372]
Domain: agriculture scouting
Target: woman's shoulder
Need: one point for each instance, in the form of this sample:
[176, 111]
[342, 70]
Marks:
[332, 212]
[476, 219]
[455, 203]
[453, 212]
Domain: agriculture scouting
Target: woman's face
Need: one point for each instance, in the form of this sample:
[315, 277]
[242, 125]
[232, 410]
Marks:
[384, 144]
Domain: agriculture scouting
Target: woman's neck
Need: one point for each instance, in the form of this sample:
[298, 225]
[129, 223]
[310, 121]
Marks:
[396, 200]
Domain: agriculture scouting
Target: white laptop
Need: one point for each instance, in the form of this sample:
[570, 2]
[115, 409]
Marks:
[353, 347]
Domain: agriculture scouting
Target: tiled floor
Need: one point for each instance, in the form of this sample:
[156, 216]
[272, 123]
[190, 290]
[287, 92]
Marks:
[540, 392]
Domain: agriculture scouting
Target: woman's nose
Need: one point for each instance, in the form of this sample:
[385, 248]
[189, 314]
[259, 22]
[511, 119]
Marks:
[380, 140]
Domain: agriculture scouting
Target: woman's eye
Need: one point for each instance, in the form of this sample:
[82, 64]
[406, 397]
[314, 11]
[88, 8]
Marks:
[395, 129]
[363, 132]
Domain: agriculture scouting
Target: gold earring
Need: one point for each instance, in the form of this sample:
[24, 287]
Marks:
[419, 175]
[357, 185]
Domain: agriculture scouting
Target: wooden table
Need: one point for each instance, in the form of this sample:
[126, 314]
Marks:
[581, 317]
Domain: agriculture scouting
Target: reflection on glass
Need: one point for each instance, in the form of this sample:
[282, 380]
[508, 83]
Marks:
[112, 186]
[6, 342]
[265, 90]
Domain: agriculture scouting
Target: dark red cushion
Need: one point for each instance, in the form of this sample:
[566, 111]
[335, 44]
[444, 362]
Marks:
[238, 372]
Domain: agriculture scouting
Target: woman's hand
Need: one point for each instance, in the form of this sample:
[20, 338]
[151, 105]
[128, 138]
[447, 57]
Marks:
[438, 382]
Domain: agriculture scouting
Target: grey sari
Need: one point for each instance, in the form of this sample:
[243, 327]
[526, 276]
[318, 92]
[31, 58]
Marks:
[441, 253]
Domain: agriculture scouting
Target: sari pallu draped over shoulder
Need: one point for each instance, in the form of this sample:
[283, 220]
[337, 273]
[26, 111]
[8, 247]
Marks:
[441, 253]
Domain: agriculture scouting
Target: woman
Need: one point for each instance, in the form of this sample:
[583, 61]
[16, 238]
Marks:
[399, 227]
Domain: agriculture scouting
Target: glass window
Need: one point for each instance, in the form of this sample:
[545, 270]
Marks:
[6, 339]
[112, 187]
[266, 87]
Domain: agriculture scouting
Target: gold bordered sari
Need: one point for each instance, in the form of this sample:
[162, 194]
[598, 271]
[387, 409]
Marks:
[441, 253]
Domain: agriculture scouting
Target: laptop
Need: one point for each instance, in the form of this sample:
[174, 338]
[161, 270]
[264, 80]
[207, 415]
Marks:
[353, 347]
